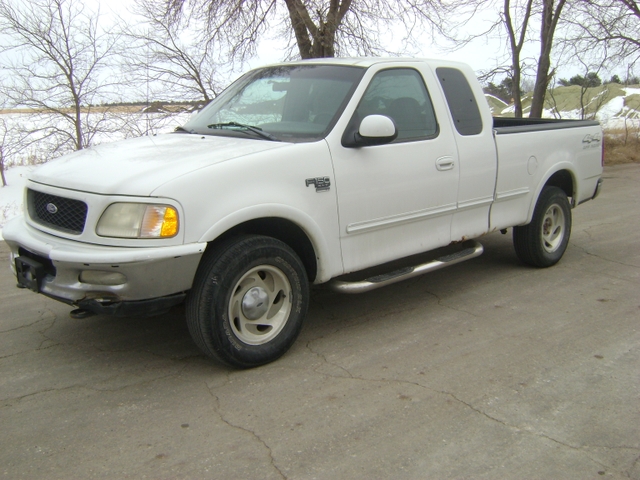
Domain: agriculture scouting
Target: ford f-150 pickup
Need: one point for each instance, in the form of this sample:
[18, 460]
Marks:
[338, 171]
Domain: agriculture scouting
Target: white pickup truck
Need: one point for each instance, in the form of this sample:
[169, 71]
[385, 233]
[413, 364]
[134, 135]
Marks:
[305, 172]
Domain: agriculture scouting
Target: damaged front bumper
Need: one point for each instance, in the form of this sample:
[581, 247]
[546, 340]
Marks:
[101, 279]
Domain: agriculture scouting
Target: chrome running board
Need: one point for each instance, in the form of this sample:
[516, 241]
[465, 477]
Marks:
[472, 249]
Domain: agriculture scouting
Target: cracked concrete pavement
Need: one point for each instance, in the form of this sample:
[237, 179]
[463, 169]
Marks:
[488, 369]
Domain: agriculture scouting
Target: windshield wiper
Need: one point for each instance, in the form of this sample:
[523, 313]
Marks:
[244, 128]
[182, 129]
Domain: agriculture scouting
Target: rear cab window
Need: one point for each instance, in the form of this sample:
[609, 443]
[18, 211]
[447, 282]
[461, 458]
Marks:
[461, 101]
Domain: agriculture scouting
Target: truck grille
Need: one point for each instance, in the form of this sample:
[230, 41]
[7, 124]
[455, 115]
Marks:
[64, 214]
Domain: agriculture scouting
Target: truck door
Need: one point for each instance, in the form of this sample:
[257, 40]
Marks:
[397, 199]
[471, 126]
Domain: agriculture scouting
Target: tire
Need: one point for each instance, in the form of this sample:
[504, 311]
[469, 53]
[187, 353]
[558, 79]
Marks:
[542, 242]
[248, 302]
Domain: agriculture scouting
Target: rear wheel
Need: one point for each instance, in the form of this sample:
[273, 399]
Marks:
[542, 242]
[248, 302]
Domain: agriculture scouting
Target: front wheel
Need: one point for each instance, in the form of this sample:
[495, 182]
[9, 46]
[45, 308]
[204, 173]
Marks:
[248, 302]
[542, 242]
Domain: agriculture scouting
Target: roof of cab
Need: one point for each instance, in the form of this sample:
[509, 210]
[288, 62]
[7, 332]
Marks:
[367, 62]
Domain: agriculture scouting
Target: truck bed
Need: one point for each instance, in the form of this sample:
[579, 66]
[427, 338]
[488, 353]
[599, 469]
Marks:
[507, 125]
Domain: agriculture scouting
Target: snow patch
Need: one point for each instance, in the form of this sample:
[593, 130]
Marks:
[499, 100]
[11, 195]
[509, 110]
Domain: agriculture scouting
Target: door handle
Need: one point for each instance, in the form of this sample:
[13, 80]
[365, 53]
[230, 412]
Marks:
[444, 163]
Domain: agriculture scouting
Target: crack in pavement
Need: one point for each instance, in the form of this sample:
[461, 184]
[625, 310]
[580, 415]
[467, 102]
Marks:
[358, 320]
[218, 410]
[530, 430]
[87, 347]
[325, 360]
[41, 332]
[44, 331]
[27, 395]
[94, 388]
[581, 448]
[42, 347]
[441, 303]
[587, 252]
[147, 381]
[21, 327]
[633, 466]
[35, 322]
[28, 351]
[112, 350]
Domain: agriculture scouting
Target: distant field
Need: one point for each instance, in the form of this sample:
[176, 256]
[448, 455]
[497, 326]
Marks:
[615, 106]
[99, 109]
[153, 107]
[109, 124]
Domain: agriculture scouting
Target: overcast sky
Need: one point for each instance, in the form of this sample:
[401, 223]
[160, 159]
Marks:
[481, 54]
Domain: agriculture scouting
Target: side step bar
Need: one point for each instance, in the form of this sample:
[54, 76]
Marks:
[473, 250]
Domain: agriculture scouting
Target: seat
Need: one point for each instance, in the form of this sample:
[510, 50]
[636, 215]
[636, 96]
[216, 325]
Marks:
[408, 117]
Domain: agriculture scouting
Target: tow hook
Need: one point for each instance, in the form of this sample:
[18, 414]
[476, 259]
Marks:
[81, 313]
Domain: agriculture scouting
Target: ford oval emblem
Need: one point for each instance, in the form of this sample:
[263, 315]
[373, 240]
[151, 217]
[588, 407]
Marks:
[51, 208]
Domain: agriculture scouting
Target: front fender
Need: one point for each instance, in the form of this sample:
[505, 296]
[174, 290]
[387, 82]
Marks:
[328, 254]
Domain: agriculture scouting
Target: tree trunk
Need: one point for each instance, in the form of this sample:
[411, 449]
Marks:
[324, 42]
[305, 47]
[4, 180]
[516, 48]
[78, 125]
[550, 19]
[515, 90]
[316, 41]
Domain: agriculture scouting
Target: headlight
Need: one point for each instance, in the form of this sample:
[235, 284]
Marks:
[138, 220]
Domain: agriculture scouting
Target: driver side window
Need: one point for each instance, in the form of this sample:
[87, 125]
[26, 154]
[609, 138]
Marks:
[401, 95]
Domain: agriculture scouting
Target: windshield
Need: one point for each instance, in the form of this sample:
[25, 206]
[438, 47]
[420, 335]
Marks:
[296, 103]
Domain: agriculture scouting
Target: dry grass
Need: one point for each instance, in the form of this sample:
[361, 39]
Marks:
[622, 146]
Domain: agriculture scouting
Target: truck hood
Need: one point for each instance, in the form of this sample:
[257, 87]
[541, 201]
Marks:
[139, 166]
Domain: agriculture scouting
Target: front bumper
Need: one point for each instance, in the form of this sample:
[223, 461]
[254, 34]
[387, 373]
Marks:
[144, 276]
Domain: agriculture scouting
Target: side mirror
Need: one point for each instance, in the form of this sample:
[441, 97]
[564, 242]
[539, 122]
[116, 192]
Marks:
[373, 130]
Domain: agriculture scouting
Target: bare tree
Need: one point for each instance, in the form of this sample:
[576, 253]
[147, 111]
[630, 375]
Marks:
[167, 57]
[317, 38]
[5, 148]
[606, 27]
[551, 101]
[551, 12]
[592, 96]
[319, 28]
[58, 60]
[615, 23]
[522, 21]
[517, 35]
[16, 144]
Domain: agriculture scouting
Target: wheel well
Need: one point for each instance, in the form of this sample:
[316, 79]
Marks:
[283, 230]
[562, 180]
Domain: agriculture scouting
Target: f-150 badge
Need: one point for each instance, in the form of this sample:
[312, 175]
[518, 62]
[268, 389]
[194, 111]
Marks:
[322, 184]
